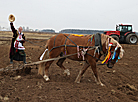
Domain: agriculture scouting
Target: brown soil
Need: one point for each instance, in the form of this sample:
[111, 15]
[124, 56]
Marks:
[121, 84]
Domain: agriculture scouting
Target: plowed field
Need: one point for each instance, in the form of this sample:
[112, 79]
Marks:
[121, 82]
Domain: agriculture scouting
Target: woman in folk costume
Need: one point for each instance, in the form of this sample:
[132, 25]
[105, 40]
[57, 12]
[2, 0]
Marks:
[17, 49]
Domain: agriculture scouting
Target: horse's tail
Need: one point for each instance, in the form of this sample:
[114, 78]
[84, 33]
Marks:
[44, 55]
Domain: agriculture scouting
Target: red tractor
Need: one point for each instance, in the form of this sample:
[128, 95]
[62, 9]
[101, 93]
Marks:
[123, 33]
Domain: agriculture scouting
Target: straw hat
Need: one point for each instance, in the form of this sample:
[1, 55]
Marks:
[11, 18]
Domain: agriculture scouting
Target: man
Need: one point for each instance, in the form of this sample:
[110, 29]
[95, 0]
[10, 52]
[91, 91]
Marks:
[17, 49]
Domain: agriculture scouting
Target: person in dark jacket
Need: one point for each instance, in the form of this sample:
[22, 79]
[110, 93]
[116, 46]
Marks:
[17, 49]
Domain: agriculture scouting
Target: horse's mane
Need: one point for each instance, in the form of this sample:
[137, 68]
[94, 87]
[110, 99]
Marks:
[104, 39]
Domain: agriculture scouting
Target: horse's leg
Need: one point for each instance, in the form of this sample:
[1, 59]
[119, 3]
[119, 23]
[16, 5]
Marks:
[41, 68]
[82, 71]
[47, 65]
[60, 64]
[95, 72]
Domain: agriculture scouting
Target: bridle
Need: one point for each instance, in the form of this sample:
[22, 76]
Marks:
[111, 55]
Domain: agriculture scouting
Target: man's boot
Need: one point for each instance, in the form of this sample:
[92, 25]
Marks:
[24, 59]
[11, 60]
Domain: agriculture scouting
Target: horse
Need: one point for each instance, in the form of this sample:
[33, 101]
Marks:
[84, 49]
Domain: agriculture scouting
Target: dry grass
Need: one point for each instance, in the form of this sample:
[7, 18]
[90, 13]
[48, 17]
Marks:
[29, 35]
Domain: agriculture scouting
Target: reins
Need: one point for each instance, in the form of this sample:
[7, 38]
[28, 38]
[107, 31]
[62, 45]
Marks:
[34, 63]
[65, 56]
[94, 57]
[35, 44]
[38, 62]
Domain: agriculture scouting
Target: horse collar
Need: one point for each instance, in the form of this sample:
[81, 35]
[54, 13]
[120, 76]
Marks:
[97, 38]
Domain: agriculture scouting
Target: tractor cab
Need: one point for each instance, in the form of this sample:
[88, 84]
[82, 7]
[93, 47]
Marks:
[123, 29]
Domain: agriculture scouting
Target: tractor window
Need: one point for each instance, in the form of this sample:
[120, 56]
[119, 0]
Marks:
[129, 28]
[124, 28]
[119, 28]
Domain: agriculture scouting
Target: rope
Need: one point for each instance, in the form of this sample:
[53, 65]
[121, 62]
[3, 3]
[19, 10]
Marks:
[34, 43]
[34, 63]
[40, 41]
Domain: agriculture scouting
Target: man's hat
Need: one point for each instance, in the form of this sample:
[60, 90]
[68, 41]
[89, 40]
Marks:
[11, 18]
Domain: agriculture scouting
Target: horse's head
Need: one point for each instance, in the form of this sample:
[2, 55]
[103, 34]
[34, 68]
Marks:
[112, 50]
[114, 56]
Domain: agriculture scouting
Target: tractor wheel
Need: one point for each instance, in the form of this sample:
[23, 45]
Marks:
[132, 39]
[115, 37]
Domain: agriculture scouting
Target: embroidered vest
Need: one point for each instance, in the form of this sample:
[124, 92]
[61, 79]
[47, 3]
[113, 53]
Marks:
[17, 42]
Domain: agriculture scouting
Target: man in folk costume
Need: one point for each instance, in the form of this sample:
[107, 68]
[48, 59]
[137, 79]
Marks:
[17, 49]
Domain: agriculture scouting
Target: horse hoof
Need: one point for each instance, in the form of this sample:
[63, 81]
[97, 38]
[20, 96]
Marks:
[102, 84]
[46, 78]
[77, 82]
[66, 72]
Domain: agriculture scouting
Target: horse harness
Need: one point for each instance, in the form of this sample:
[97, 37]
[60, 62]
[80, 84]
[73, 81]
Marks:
[97, 43]
[97, 47]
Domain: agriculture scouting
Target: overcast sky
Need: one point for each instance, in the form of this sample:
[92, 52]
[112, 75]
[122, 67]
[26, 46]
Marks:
[61, 14]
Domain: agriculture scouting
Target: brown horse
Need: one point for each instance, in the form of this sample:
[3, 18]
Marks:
[85, 49]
